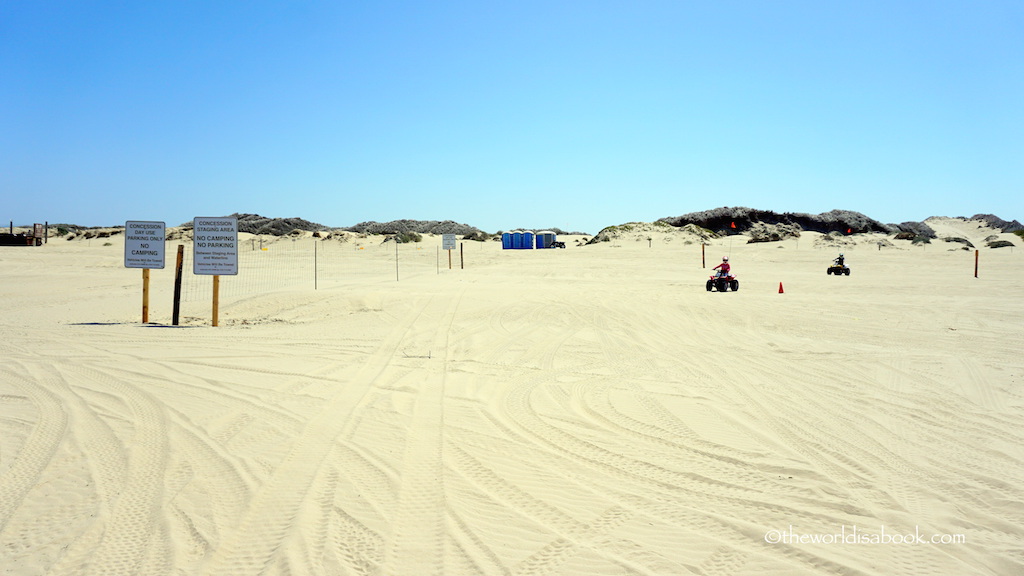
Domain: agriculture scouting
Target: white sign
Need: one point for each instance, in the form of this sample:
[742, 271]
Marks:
[448, 241]
[215, 246]
[144, 244]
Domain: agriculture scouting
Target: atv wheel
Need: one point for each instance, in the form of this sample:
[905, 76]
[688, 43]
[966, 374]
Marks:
[735, 285]
[828, 271]
[722, 285]
[710, 285]
[847, 271]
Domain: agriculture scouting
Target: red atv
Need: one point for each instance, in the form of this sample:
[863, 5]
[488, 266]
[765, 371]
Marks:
[723, 282]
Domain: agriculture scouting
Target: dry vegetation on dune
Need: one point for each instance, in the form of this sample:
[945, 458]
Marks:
[728, 220]
[759, 225]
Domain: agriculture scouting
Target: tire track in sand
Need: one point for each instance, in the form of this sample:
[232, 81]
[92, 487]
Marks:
[133, 526]
[108, 463]
[39, 448]
[417, 543]
[251, 547]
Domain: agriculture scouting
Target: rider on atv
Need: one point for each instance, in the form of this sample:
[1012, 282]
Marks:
[839, 267]
[725, 267]
[723, 280]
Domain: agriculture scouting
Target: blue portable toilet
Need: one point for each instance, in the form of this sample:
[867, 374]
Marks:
[527, 240]
[506, 240]
[517, 239]
[545, 239]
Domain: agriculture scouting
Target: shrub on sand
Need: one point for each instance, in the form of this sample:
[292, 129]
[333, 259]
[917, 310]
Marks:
[967, 243]
[478, 236]
[406, 237]
[1000, 244]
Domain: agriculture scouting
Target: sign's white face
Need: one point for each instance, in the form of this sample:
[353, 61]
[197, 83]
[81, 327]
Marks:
[144, 244]
[448, 241]
[215, 246]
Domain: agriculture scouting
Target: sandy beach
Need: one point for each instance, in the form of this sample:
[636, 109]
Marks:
[586, 411]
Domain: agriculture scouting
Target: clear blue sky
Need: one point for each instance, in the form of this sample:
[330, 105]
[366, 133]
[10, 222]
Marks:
[533, 114]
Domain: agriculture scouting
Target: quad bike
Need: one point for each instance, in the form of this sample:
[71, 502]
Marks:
[838, 270]
[723, 282]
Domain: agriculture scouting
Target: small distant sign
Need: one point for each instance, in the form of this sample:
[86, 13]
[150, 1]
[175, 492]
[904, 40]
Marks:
[37, 230]
[144, 244]
[215, 246]
[448, 241]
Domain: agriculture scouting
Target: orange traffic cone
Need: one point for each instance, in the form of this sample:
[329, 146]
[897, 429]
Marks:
[781, 291]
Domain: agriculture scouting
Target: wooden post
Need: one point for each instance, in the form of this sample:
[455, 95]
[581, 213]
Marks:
[314, 265]
[177, 284]
[975, 263]
[449, 259]
[702, 263]
[145, 295]
[462, 258]
[216, 298]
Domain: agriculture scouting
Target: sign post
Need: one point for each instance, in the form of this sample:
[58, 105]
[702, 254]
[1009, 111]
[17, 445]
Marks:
[448, 243]
[144, 248]
[145, 295]
[177, 284]
[216, 301]
[215, 252]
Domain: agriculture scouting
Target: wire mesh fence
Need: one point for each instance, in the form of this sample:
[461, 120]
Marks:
[308, 264]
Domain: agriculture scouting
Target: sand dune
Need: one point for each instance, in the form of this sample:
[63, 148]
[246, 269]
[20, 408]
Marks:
[591, 410]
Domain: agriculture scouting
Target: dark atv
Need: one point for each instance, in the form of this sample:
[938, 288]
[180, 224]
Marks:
[723, 282]
[838, 269]
[557, 244]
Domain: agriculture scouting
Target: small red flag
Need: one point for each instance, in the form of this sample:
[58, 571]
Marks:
[848, 230]
[733, 225]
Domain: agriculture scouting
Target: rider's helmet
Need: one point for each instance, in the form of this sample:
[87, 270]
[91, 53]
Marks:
[840, 254]
[725, 258]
